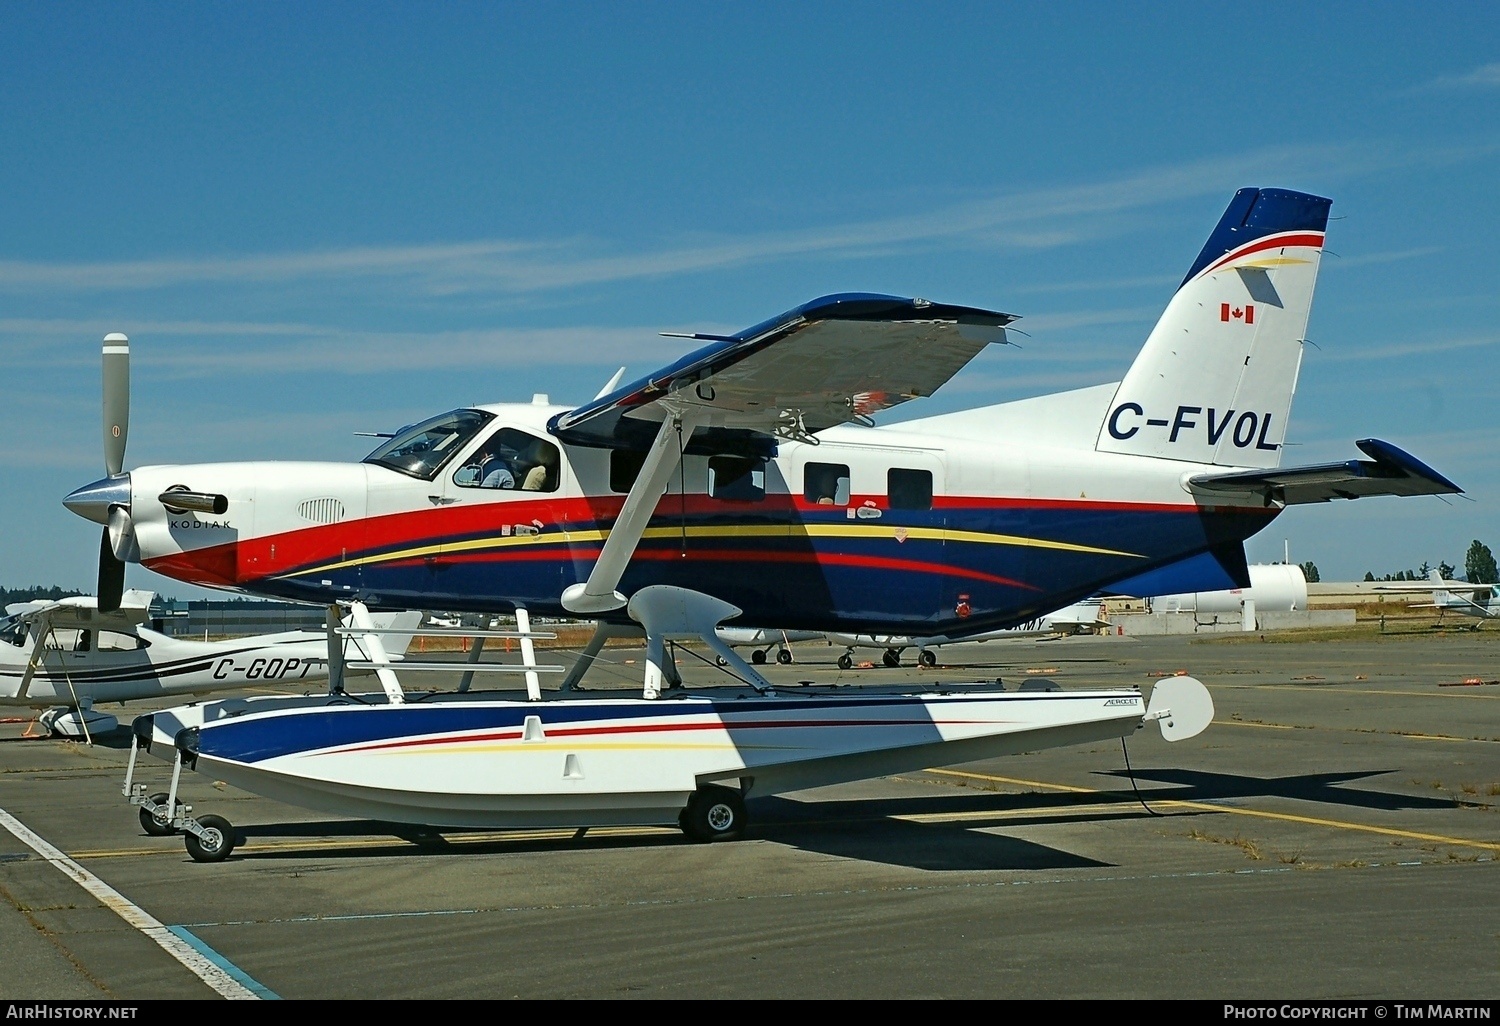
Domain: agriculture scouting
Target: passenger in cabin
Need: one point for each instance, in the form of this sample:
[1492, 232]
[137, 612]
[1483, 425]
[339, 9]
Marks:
[542, 477]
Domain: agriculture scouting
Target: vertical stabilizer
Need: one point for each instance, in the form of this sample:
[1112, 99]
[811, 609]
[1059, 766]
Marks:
[1214, 382]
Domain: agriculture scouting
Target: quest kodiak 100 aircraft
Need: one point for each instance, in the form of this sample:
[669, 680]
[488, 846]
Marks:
[751, 471]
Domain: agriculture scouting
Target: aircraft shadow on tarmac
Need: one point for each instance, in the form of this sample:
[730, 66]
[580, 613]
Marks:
[870, 830]
[1201, 786]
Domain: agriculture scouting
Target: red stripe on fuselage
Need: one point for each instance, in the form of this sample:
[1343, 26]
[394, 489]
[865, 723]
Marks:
[248, 560]
[645, 728]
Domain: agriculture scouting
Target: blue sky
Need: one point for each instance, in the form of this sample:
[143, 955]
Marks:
[314, 219]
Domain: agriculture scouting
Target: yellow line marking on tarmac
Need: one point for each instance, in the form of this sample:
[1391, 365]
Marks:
[1206, 807]
[1352, 730]
[1464, 691]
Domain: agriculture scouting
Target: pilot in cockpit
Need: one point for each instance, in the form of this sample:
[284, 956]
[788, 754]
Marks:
[489, 467]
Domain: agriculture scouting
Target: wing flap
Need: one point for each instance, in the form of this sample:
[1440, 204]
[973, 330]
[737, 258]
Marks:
[1389, 471]
[833, 360]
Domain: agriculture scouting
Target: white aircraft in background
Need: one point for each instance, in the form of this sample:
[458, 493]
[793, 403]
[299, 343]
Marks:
[765, 640]
[66, 656]
[1077, 618]
[1477, 600]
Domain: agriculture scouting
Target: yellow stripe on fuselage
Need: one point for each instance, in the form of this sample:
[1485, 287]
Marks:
[736, 531]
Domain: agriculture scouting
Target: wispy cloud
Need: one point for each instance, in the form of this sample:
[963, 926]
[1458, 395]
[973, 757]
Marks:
[1486, 76]
[1407, 350]
[208, 349]
[1021, 220]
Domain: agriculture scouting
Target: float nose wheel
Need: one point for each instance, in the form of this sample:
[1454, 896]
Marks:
[158, 824]
[208, 838]
[713, 813]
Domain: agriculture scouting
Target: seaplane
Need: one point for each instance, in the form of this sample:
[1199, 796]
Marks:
[66, 657]
[747, 484]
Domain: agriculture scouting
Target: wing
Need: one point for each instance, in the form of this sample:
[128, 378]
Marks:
[1389, 471]
[833, 360]
[81, 612]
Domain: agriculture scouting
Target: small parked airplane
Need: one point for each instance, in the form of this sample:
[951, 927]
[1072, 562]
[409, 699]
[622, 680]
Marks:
[66, 657]
[1477, 600]
[1086, 615]
[762, 641]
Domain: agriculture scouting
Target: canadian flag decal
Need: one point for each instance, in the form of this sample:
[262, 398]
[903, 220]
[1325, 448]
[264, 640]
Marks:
[1237, 313]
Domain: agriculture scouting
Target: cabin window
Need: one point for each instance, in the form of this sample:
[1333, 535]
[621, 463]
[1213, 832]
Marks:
[737, 478]
[826, 484]
[511, 459]
[114, 641]
[421, 450]
[624, 467]
[909, 489]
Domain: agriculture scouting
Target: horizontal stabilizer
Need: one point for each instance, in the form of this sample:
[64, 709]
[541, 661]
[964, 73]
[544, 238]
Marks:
[1389, 471]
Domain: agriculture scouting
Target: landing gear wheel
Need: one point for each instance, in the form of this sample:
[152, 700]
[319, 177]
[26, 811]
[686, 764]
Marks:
[784, 656]
[927, 658]
[846, 662]
[154, 826]
[216, 846]
[758, 656]
[720, 661]
[713, 813]
[892, 658]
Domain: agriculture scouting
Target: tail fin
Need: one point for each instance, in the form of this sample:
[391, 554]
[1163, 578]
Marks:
[1440, 596]
[1214, 382]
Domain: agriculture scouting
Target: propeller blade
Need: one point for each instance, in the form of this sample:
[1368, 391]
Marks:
[121, 530]
[116, 401]
[111, 576]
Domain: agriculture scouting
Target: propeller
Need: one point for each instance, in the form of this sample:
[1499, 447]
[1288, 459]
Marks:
[118, 537]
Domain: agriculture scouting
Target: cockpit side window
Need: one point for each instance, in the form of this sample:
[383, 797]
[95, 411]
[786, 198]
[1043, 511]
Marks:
[511, 459]
[13, 630]
[420, 451]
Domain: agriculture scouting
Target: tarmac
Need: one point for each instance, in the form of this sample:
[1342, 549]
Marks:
[1332, 835]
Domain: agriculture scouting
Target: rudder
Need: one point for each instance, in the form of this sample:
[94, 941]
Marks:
[1215, 379]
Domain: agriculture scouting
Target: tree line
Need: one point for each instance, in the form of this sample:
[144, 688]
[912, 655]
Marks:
[1479, 568]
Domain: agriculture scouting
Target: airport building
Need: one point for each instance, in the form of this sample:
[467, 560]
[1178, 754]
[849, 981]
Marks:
[232, 617]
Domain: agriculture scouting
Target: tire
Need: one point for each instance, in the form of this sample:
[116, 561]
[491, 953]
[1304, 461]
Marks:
[892, 658]
[927, 657]
[720, 661]
[758, 656]
[784, 656]
[713, 813]
[846, 662]
[217, 846]
[152, 825]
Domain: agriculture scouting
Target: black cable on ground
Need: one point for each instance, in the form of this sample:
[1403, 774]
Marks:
[1138, 797]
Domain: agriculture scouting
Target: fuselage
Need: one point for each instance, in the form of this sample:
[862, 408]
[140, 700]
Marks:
[927, 528]
[111, 666]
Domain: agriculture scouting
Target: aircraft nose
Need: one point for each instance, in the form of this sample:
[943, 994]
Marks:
[92, 501]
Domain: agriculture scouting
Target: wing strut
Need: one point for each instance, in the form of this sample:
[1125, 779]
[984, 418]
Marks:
[598, 594]
[41, 626]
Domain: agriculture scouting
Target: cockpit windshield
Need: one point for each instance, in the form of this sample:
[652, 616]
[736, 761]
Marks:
[13, 630]
[421, 450]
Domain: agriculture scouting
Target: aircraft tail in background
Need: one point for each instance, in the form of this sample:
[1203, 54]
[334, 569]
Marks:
[1214, 381]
